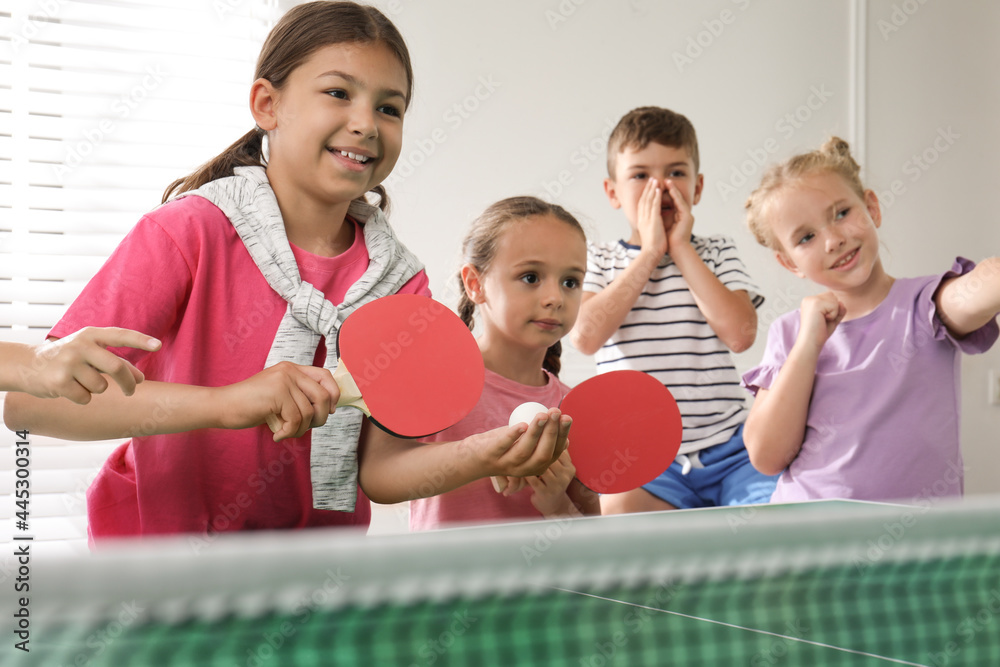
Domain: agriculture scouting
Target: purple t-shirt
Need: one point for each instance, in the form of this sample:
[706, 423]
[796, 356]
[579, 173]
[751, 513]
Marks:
[883, 421]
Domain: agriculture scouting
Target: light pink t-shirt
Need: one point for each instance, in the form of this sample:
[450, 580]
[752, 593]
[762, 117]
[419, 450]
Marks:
[184, 276]
[883, 421]
[478, 502]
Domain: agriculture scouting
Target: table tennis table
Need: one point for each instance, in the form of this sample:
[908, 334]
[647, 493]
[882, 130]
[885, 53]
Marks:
[820, 583]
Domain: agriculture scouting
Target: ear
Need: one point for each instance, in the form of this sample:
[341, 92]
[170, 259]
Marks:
[699, 186]
[263, 99]
[787, 262]
[473, 283]
[874, 209]
[611, 192]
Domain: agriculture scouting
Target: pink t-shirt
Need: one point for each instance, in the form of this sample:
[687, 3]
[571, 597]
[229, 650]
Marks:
[184, 276]
[478, 501]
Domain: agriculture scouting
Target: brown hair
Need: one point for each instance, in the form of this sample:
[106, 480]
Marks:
[480, 247]
[303, 30]
[833, 156]
[641, 126]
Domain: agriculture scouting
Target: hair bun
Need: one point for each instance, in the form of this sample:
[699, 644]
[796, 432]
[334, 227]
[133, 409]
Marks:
[840, 150]
[836, 146]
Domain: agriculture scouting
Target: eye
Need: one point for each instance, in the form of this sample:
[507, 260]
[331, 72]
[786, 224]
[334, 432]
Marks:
[639, 175]
[571, 283]
[391, 110]
[339, 93]
[678, 173]
[842, 213]
[806, 238]
[529, 278]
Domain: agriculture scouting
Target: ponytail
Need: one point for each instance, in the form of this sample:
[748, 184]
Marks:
[552, 362]
[248, 151]
[466, 308]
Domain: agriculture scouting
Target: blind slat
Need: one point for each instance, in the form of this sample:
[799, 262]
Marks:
[44, 292]
[94, 106]
[194, 88]
[31, 314]
[173, 156]
[79, 222]
[41, 267]
[48, 505]
[52, 528]
[93, 245]
[123, 39]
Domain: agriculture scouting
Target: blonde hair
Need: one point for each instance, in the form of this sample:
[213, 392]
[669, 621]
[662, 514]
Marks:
[480, 247]
[833, 156]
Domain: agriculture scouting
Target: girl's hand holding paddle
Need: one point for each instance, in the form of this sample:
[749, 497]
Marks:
[290, 398]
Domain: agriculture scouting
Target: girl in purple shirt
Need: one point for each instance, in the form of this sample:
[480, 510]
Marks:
[857, 395]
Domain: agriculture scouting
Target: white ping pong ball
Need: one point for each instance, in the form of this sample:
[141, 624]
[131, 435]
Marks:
[525, 413]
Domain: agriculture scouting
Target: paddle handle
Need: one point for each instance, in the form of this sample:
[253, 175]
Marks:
[350, 396]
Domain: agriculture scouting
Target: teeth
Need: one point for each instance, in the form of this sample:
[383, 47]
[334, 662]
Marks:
[845, 260]
[354, 156]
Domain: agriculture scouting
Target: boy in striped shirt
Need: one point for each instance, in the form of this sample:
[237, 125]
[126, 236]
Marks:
[672, 304]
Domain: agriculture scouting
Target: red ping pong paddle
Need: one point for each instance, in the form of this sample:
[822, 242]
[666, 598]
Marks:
[626, 430]
[409, 364]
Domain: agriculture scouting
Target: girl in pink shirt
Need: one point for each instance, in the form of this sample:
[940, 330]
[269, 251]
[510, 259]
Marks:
[238, 276]
[858, 392]
[525, 262]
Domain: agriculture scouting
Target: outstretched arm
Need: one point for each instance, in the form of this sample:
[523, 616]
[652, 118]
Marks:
[776, 426]
[393, 470]
[295, 398]
[73, 367]
[965, 303]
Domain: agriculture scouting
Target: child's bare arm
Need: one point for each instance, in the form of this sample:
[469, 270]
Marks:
[731, 315]
[296, 397]
[392, 470]
[965, 303]
[775, 428]
[602, 314]
[73, 367]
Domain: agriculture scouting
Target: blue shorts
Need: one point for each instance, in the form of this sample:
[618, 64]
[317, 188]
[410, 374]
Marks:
[726, 478]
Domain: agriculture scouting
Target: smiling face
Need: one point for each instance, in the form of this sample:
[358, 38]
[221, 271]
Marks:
[826, 232]
[530, 295]
[335, 128]
[634, 167]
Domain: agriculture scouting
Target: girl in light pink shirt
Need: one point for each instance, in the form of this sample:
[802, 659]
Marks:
[525, 262]
[858, 392]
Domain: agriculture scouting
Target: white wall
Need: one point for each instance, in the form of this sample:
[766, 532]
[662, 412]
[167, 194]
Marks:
[514, 97]
[562, 74]
[933, 105]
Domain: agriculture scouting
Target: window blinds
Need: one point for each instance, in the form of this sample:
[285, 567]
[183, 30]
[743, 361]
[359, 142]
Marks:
[102, 105]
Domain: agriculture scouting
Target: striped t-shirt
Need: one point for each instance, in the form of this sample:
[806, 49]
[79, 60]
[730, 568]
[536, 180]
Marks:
[667, 336]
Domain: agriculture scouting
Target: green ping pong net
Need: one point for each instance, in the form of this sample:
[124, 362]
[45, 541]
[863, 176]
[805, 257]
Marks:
[824, 583]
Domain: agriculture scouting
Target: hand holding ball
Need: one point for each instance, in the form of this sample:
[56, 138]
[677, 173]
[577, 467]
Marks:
[522, 413]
